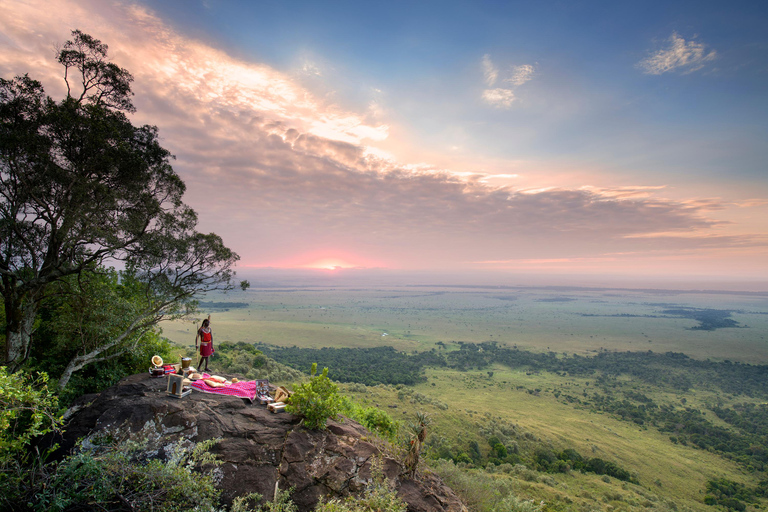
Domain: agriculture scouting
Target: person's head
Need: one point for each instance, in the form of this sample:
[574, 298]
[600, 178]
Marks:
[206, 322]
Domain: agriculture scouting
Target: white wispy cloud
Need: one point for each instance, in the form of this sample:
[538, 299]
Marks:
[503, 97]
[490, 72]
[520, 74]
[499, 98]
[310, 68]
[679, 54]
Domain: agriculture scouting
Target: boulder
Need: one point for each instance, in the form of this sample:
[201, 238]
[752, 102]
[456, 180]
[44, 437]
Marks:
[258, 449]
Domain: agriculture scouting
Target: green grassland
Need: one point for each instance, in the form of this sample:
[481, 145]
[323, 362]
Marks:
[667, 473]
[535, 408]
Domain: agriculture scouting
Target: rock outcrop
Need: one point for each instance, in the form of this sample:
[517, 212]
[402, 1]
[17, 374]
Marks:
[258, 448]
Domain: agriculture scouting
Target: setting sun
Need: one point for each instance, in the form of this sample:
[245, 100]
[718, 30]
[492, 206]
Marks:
[330, 264]
[324, 260]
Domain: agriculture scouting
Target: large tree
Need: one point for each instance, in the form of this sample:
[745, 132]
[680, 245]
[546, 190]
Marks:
[101, 314]
[81, 186]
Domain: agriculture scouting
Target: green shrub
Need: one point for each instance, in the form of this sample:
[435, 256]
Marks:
[514, 504]
[480, 491]
[244, 359]
[97, 377]
[27, 409]
[316, 400]
[372, 418]
[281, 503]
[377, 497]
[122, 474]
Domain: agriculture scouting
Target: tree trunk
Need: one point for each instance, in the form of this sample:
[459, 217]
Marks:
[64, 379]
[20, 323]
[79, 362]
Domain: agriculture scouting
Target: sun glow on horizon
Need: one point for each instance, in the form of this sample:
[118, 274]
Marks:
[324, 262]
[330, 264]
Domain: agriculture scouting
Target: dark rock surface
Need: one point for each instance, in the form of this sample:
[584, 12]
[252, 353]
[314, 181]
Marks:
[257, 448]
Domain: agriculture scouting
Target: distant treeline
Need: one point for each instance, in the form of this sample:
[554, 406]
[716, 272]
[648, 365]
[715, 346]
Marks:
[385, 365]
[671, 369]
[369, 366]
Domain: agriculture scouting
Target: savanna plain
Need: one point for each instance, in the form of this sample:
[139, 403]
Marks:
[558, 398]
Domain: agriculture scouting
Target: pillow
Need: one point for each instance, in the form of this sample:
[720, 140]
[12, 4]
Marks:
[214, 384]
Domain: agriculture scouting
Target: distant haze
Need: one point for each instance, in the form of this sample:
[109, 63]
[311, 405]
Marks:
[515, 143]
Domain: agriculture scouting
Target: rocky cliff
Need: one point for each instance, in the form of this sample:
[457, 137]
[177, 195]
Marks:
[258, 448]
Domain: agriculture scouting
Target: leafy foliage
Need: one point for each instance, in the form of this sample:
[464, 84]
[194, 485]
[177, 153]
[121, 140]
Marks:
[377, 497]
[93, 319]
[96, 377]
[417, 434]
[482, 491]
[570, 459]
[372, 418]
[316, 400]
[731, 495]
[744, 442]
[280, 503]
[369, 366]
[27, 409]
[125, 474]
[245, 359]
[80, 185]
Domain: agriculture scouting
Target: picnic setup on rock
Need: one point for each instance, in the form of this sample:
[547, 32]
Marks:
[182, 379]
[257, 449]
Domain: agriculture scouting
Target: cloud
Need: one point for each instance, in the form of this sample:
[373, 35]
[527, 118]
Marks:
[521, 74]
[310, 68]
[679, 54]
[752, 203]
[277, 171]
[490, 72]
[499, 98]
[503, 97]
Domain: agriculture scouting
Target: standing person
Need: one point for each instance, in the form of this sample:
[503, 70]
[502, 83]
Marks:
[205, 335]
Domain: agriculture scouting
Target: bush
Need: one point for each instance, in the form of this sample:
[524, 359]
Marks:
[280, 503]
[377, 497]
[514, 504]
[27, 409]
[482, 491]
[372, 418]
[97, 377]
[123, 473]
[315, 401]
[245, 359]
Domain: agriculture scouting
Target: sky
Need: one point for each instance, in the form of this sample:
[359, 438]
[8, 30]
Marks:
[550, 137]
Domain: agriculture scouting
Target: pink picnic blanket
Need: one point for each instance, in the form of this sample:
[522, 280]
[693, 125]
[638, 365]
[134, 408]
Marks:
[243, 389]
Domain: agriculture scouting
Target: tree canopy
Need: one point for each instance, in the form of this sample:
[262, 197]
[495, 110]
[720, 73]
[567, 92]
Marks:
[82, 187]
